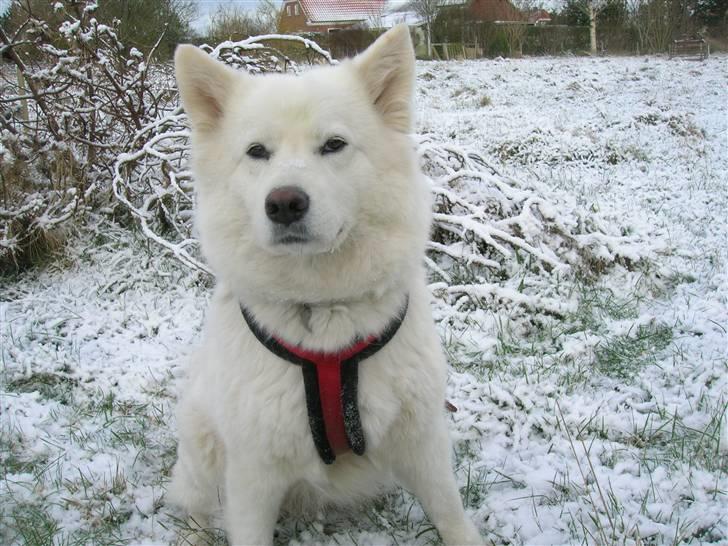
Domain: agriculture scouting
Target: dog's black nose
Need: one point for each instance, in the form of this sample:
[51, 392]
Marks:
[286, 205]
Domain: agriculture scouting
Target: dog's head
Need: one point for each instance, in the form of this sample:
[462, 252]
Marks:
[307, 185]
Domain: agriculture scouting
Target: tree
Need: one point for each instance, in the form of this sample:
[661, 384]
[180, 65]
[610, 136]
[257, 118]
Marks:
[712, 13]
[232, 22]
[140, 22]
[515, 31]
[586, 12]
[137, 23]
[617, 33]
[267, 13]
[4, 15]
[658, 22]
[427, 10]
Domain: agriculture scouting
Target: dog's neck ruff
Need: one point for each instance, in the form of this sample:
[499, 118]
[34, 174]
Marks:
[331, 384]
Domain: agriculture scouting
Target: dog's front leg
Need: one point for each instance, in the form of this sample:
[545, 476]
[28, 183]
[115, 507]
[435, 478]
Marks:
[253, 498]
[427, 473]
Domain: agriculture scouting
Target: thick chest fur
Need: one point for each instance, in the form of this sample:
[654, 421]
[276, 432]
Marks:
[261, 409]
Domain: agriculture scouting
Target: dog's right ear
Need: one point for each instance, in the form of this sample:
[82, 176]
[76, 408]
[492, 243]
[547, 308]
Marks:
[204, 85]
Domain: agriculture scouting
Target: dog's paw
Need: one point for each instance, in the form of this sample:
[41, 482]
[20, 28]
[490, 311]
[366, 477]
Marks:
[464, 534]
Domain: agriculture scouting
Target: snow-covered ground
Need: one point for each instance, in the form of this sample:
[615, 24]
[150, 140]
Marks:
[602, 423]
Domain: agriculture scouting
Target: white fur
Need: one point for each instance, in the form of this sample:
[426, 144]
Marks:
[244, 439]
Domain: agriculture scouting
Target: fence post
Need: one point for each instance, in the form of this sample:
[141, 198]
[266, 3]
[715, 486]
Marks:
[22, 91]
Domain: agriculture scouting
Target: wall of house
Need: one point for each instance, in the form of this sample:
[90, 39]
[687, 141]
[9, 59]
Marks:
[292, 23]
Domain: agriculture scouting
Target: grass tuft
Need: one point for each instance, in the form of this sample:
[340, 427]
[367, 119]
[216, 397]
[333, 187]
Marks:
[49, 386]
[624, 356]
[33, 526]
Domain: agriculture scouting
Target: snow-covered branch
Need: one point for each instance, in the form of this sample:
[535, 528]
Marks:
[501, 238]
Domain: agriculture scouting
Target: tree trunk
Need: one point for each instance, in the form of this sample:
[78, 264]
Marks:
[592, 28]
[429, 41]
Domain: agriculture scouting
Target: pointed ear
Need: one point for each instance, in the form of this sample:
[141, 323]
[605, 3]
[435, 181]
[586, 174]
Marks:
[387, 69]
[204, 85]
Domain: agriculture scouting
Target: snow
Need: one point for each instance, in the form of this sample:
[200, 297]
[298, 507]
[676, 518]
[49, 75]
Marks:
[555, 443]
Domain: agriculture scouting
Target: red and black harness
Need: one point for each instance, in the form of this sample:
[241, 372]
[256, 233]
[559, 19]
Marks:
[331, 384]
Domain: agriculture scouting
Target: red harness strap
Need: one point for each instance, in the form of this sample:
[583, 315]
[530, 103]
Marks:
[328, 371]
[331, 385]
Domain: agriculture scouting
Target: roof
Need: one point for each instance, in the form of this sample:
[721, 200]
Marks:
[393, 18]
[539, 16]
[329, 11]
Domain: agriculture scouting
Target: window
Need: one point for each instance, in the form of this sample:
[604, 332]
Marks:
[289, 9]
[295, 9]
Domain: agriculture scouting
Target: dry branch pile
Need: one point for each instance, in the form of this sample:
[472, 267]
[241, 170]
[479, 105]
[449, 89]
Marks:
[497, 240]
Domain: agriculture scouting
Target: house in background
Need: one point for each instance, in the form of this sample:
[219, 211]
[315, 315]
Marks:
[539, 17]
[323, 16]
[330, 16]
[456, 24]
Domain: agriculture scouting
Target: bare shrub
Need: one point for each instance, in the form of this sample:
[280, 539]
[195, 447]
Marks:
[73, 100]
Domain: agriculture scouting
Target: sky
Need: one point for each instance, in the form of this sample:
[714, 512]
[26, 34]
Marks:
[207, 7]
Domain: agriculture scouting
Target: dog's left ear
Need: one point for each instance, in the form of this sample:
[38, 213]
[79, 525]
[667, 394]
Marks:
[387, 69]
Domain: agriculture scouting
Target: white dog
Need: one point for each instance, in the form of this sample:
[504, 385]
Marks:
[321, 378]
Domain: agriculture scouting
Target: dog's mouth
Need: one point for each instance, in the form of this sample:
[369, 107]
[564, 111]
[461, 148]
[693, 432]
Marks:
[291, 235]
[299, 240]
[291, 240]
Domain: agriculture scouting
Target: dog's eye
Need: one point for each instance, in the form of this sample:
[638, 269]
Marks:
[333, 145]
[258, 151]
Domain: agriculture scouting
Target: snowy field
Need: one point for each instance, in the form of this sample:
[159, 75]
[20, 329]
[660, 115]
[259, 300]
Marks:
[591, 407]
